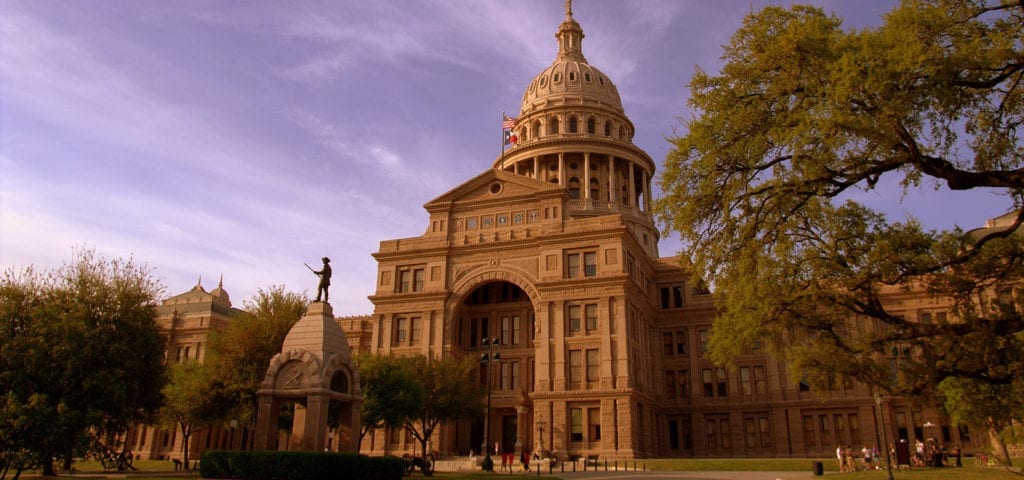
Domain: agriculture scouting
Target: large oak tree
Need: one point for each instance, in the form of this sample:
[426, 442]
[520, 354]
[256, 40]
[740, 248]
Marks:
[802, 119]
[81, 357]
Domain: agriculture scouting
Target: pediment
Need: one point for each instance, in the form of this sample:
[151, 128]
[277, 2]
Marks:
[494, 186]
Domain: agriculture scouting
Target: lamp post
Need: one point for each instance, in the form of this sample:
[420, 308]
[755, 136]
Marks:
[885, 438]
[487, 358]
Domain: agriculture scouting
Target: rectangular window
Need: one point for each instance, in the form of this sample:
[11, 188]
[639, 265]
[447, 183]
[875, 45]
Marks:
[410, 279]
[593, 424]
[765, 429]
[590, 264]
[684, 384]
[809, 431]
[574, 319]
[840, 429]
[918, 425]
[746, 383]
[681, 342]
[721, 382]
[709, 382]
[593, 365]
[667, 347]
[506, 330]
[580, 263]
[826, 437]
[590, 311]
[575, 366]
[854, 429]
[404, 281]
[677, 296]
[576, 418]
[725, 432]
[401, 330]
[760, 381]
[572, 265]
[673, 434]
[665, 298]
[705, 335]
[670, 384]
[415, 330]
[750, 432]
[418, 275]
[515, 329]
[711, 432]
[687, 433]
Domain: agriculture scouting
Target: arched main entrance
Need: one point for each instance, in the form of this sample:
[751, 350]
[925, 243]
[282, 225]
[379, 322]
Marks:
[503, 313]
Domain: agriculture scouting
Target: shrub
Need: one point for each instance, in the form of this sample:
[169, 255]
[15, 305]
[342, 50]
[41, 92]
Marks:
[272, 465]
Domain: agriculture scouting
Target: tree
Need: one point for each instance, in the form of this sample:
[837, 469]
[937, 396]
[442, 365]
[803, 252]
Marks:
[239, 354]
[82, 355]
[450, 392]
[188, 403]
[802, 119]
[418, 393]
[391, 392]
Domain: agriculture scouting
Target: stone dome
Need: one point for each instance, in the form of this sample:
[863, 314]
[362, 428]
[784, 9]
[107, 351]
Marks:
[570, 77]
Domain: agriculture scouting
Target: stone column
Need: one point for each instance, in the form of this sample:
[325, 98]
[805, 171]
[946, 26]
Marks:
[561, 168]
[632, 185]
[613, 194]
[536, 168]
[315, 435]
[266, 423]
[586, 176]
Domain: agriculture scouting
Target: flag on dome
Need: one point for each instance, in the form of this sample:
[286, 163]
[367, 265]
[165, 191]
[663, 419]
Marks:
[508, 122]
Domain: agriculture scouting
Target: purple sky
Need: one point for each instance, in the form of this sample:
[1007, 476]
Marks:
[245, 138]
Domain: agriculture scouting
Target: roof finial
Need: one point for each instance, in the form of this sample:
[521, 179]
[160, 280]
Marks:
[200, 282]
[568, 8]
[221, 283]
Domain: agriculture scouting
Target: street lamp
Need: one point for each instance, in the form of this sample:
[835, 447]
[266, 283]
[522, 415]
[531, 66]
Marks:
[885, 438]
[487, 358]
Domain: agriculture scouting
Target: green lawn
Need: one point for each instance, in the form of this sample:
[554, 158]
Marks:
[158, 469]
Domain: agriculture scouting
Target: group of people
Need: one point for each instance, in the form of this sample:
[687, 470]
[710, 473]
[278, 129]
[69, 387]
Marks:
[935, 455]
[851, 460]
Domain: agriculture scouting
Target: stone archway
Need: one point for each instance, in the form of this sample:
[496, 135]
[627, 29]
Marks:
[500, 303]
[314, 370]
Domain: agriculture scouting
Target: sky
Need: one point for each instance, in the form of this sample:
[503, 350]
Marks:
[243, 139]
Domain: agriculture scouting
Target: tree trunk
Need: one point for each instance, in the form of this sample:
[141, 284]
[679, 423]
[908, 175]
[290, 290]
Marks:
[185, 434]
[48, 466]
[1000, 447]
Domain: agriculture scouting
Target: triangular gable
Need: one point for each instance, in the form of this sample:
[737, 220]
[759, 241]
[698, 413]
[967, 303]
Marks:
[482, 187]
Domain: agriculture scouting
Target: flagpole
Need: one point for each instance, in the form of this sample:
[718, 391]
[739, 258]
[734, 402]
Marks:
[502, 134]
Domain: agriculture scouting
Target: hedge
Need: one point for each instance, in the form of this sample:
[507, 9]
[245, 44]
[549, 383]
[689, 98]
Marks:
[273, 465]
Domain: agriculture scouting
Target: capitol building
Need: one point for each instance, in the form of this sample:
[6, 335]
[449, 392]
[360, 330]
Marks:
[553, 251]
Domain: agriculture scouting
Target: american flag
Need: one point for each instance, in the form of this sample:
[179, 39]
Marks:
[508, 122]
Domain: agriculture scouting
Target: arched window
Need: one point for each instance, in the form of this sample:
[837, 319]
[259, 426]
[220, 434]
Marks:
[339, 382]
[536, 130]
[574, 188]
[553, 126]
[608, 128]
[572, 124]
[595, 188]
[591, 125]
[622, 133]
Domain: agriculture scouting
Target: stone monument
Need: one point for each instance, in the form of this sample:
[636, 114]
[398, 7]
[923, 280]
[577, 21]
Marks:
[314, 370]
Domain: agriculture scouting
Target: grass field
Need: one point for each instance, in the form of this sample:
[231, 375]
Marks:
[164, 469]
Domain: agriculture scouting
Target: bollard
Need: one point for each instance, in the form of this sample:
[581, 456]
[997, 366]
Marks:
[606, 464]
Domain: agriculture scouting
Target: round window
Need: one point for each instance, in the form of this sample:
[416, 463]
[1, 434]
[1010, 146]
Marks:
[495, 188]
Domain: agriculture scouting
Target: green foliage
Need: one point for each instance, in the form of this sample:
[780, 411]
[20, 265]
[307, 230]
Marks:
[82, 354]
[803, 118]
[238, 355]
[390, 389]
[188, 405]
[272, 465]
[417, 393]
